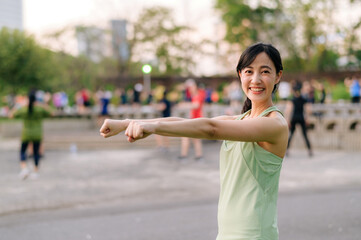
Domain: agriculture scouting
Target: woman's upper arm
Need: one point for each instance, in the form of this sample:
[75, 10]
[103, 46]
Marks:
[262, 129]
[225, 117]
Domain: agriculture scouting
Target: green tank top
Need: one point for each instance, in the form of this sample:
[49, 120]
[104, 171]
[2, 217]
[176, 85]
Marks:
[249, 177]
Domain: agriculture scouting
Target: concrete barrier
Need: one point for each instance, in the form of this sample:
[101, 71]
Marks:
[332, 126]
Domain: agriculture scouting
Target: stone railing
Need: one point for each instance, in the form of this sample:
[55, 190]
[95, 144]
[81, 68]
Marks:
[331, 126]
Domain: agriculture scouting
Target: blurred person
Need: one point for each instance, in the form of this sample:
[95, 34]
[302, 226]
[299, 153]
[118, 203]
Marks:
[320, 87]
[165, 106]
[138, 88]
[86, 96]
[105, 101]
[235, 94]
[308, 92]
[322, 90]
[57, 101]
[11, 100]
[42, 98]
[196, 111]
[215, 97]
[64, 100]
[60, 100]
[354, 86]
[187, 95]
[208, 98]
[295, 114]
[79, 102]
[32, 132]
[83, 101]
[252, 152]
[123, 97]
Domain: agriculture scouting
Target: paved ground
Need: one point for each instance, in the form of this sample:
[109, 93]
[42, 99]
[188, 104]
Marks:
[88, 187]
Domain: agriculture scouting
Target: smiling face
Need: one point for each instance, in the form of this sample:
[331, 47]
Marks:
[259, 78]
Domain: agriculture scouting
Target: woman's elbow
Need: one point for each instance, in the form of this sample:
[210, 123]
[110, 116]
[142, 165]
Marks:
[211, 130]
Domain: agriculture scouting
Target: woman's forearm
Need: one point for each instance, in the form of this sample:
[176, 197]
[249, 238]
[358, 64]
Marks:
[167, 119]
[152, 120]
[193, 128]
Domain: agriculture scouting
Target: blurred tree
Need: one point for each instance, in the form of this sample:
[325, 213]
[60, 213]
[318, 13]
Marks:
[76, 72]
[353, 41]
[246, 23]
[158, 40]
[304, 31]
[23, 63]
[249, 22]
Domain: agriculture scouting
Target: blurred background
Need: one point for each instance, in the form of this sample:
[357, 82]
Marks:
[90, 60]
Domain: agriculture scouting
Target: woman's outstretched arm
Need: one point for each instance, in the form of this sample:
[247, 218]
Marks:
[268, 129]
[112, 127]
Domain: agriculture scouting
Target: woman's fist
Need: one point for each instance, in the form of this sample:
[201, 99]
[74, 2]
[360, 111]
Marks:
[112, 127]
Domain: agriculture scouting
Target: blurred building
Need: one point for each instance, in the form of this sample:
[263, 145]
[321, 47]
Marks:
[11, 14]
[91, 42]
[119, 40]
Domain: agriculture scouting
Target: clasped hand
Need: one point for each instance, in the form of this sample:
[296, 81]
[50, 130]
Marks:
[134, 130]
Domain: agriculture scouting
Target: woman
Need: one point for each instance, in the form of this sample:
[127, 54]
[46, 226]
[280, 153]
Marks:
[32, 133]
[252, 151]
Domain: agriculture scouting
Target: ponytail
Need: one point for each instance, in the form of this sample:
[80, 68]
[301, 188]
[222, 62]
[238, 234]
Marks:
[32, 99]
[247, 105]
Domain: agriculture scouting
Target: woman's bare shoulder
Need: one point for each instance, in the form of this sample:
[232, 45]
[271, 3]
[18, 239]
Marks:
[282, 123]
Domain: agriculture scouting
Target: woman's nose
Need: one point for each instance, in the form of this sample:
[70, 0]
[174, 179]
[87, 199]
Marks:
[256, 78]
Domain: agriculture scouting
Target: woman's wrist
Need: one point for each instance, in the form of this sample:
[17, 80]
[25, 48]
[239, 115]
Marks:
[157, 126]
[125, 123]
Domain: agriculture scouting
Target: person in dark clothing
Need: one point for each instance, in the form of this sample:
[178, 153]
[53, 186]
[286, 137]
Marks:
[297, 107]
[165, 107]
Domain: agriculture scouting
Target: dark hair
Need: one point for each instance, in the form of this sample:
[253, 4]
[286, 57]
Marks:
[249, 55]
[32, 99]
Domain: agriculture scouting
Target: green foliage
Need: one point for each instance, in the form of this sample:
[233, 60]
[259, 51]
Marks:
[294, 64]
[246, 24]
[340, 91]
[158, 40]
[358, 57]
[326, 59]
[74, 72]
[304, 31]
[23, 63]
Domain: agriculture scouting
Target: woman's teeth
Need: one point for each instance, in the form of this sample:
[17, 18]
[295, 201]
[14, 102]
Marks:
[256, 89]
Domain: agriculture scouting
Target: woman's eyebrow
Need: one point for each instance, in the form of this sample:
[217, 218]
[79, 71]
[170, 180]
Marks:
[263, 66]
[266, 66]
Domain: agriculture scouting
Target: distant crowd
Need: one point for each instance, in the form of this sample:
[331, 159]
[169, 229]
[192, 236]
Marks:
[100, 101]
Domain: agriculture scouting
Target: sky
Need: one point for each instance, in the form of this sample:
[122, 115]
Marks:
[42, 17]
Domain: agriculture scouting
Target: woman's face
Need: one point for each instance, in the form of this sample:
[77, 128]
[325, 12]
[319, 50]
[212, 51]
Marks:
[259, 78]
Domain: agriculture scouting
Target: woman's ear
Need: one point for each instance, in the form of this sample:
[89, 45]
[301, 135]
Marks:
[239, 74]
[278, 77]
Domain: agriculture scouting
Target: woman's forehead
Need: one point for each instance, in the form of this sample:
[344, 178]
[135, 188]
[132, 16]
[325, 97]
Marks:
[262, 59]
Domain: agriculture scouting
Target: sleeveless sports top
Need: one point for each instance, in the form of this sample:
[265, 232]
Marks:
[249, 177]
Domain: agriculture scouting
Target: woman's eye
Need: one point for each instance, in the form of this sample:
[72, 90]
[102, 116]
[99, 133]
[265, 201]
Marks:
[248, 71]
[266, 71]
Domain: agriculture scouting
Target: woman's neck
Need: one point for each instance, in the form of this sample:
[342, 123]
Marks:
[257, 109]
